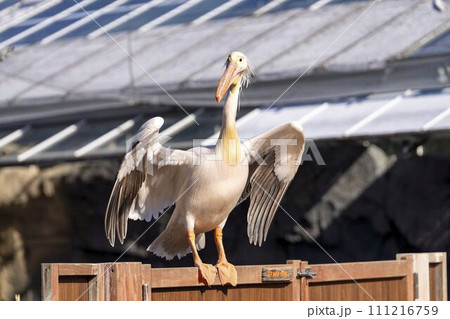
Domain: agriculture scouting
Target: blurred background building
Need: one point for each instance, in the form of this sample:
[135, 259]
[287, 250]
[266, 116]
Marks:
[77, 78]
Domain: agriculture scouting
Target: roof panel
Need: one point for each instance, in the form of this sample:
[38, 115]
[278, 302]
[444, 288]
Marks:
[10, 87]
[335, 34]
[409, 115]
[393, 38]
[69, 55]
[207, 52]
[64, 22]
[157, 51]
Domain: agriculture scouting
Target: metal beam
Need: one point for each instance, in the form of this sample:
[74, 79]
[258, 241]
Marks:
[319, 4]
[13, 136]
[49, 142]
[181, 124]
[81, 22]
[313, 113]
[29, 13]
[43, 24]
[436, 120]
[213, 13]
[377, 113]
[168, 15]
[269, 6]
[123, 19]
[107, 137]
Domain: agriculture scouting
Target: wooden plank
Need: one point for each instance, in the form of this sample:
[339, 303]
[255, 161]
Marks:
[245, 292]
[296, 282]
[102, 289]
[444, 277]
[73, 288]
[360, 270]
[436, 257]
[304, 283]
[188, 276]
[438, 265]
[382, 289]
[78, 269]
[410, 280]
[421, 268]
[125, 282]
[50, 285]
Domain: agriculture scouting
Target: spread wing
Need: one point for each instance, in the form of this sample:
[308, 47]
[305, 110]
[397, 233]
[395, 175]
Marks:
[274, 157]
[148, 181]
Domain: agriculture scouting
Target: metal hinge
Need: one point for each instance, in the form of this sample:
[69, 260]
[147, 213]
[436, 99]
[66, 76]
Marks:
[308, 274]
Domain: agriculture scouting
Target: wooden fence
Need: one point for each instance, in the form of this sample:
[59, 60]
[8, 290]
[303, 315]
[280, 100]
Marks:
[295, 280]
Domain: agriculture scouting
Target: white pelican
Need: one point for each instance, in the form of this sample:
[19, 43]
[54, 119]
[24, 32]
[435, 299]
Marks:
[152, 177]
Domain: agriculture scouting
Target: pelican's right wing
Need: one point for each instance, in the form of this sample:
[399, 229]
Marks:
[150, 179]
[274, 158]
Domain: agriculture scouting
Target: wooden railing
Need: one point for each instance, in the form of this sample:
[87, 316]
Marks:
[295, 280]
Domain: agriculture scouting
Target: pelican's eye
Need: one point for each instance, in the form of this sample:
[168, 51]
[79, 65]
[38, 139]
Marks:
[240, 60]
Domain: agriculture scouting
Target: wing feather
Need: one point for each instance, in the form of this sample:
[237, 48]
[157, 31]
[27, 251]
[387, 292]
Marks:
[269, 179]
[146, 182]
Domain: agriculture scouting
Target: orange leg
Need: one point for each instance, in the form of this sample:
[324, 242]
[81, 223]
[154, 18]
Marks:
[207, 272]
[227, 272]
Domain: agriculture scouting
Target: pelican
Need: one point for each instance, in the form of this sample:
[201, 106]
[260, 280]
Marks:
[153, 177]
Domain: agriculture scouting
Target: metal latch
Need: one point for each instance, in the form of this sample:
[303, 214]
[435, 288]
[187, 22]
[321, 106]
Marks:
[308, 274]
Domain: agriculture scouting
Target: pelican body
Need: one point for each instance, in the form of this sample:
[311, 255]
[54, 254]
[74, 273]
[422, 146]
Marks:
[206, 184]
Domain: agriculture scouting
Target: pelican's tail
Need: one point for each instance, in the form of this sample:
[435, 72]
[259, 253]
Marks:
[173, 241]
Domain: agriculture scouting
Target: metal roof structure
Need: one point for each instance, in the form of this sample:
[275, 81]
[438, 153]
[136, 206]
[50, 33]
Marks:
[79, 76]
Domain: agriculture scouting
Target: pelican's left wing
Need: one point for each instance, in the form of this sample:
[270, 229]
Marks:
[150, 179]
[274, 157]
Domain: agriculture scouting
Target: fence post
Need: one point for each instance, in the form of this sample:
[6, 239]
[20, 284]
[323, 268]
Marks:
[421, 275]
[304, 282]
[125, 282]
[430, 275]
[296, 282]
[49, 288]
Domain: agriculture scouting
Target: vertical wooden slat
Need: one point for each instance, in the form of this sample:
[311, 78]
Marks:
[101, 282]
[421, 268]
[444, 277]
[438, 276]
[296, 283]
[410, 280]
[125, 282]
[304, 283]
[50, 284]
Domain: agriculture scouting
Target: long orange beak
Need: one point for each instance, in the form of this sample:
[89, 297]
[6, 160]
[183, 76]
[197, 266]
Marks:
[226, 80]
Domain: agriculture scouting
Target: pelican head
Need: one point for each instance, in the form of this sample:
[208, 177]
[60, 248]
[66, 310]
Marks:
[238, 72]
